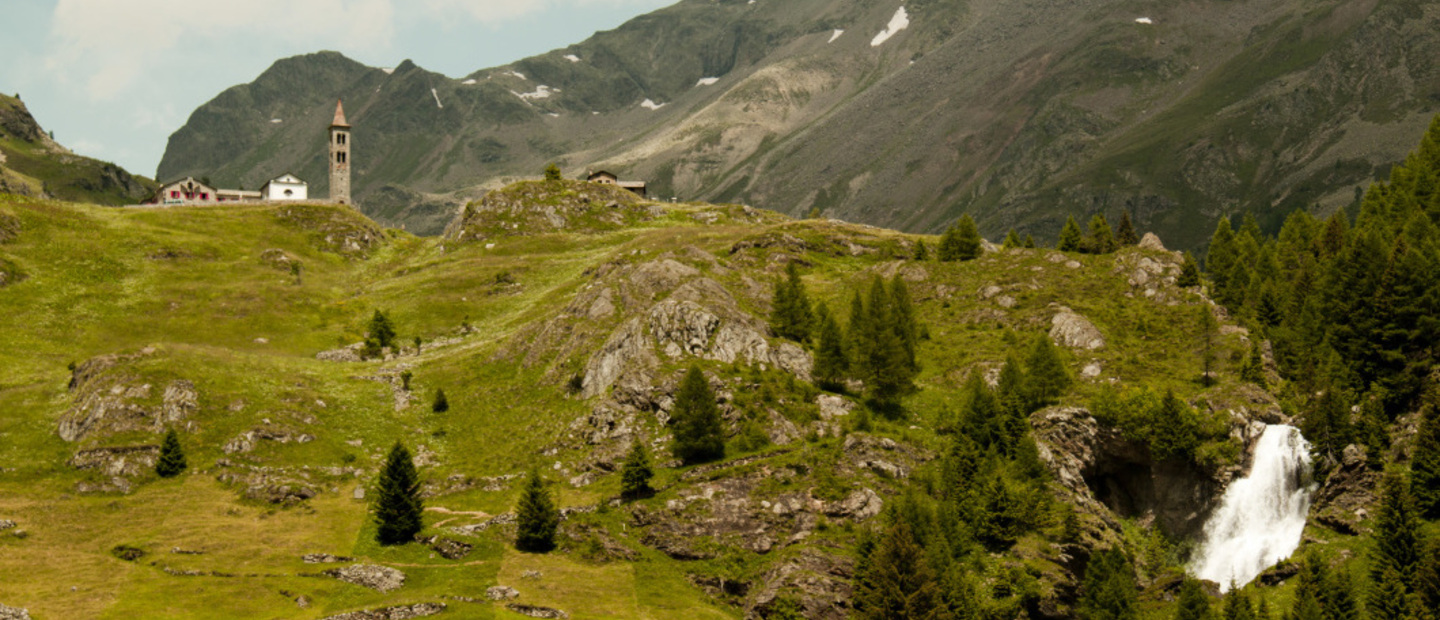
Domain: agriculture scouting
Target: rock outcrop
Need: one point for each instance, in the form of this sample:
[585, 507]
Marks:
[401, 612]
[14, 613]
[379, 578]
[1072, 330]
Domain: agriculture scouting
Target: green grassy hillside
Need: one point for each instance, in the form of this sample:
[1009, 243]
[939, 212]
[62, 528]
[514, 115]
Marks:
[32, 164]
[131, 321]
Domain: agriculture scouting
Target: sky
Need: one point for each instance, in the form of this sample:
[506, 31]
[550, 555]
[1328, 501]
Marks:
[114, 78]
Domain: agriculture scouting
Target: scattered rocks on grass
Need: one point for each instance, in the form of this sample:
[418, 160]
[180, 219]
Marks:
[380, 578]
[402, 612]
[502, 593]
[14, 613]
[127, 553]
[324, 558]
[6, 524]
[448, 548]
[535, 611]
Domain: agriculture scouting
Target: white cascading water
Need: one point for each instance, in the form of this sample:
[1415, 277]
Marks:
[1262, 516]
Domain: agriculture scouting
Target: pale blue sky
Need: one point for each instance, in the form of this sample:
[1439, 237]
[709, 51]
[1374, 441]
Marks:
[114, 78]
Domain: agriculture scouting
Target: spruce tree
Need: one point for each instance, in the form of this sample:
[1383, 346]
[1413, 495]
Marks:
[1125, 232]
[398, 506]
[699, 436]
[172, 457]
[791, 317]
[922, 253]
[552, 172]
[1029, 242]
[1427, 578]
[635, 475]
[1071, 240]
[1193, 603]
[380, 333]
[1046, 377]
[967, 239]
[536, 518]
[1425, 465]
[1398, 541]
[1237, 605]
[1109, 591]
[903, 319]
[440, 404]
[1253, 369]
[1388, 599]
[1221, 257]
[949, 248]
[1012, 239]
[1100, 240]
[1189, 273]
[1208, 327]
[1174, 429]
[831, 363]
[898, 582]
[885, 367]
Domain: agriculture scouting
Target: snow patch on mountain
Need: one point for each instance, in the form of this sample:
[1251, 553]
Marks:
[899, 22]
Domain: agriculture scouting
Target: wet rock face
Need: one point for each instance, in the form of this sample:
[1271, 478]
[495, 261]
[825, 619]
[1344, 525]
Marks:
[1345, 502]
[1109, 475]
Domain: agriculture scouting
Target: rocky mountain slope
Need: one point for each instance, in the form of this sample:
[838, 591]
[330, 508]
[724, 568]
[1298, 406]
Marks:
[32, 164]
[558, 318]
[1019, 112]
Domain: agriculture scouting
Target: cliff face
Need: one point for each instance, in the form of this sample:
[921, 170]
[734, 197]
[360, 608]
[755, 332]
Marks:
[32, 164]
[1018, 112]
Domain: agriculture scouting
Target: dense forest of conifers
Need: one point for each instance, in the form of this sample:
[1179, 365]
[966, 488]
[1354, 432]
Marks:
[1350, 308]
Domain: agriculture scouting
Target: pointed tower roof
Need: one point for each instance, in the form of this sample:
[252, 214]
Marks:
[339, 116]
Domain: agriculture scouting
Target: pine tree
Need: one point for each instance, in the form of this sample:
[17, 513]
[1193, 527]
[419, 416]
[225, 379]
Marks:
[172, 457]
[1425, 466]
[1109, 591]
[699, 436]
[887, 371]
[398, 507]
[536, 518]
[1046, 377]
[791, 317]
[1100, 240]
[922, 253]
[1174, 429]
[1125, 232]
[1221, 257]
[1070, 238]
[635, 475]
[1388, 599]
[1189, 273]
[1427, 579]
[380, 334]
[1339, 597]
[552, 172]
[1012, 239]
[440, 404]
[897, 582]
[1029, 242]
[1193, 603]
[1253, 370]
[831, 363]
[1237, 605]
[964, 244]
[903, 318]
[949, 248]
[1398, 540]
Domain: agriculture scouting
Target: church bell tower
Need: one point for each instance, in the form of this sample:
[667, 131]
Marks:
[339, 157]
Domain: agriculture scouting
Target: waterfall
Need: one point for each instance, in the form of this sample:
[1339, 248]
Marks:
[1262, 516]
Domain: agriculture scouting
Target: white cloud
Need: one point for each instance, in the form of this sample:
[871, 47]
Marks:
[496, 11]
[107, 45]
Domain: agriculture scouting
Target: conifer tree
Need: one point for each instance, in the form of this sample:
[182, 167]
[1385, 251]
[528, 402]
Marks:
[1237, 605]
[536, 518]
[903, 319]
[552, 172]
[831, 363]
[1194, 604]
[961, 241]
[380, 333]
[1427, 578]
[1071, 239]
[1388, 599]
[398, 507]
[635, 475]
[1253, 370]
[699, 436]
[1125, 232]
[1425, 465]
[1109, 591]
[1174, 429]
[1398, 540]
[172, 457]
[1100, 240]
[1339, 597]
[1189, 273]
[1221, 258]
[1029, 242]
[856, 332]
[898, 582]
[440, 404]
[1012, 239]
[922, 253]
[887, 371]
[791, 317]
[1046, 377]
